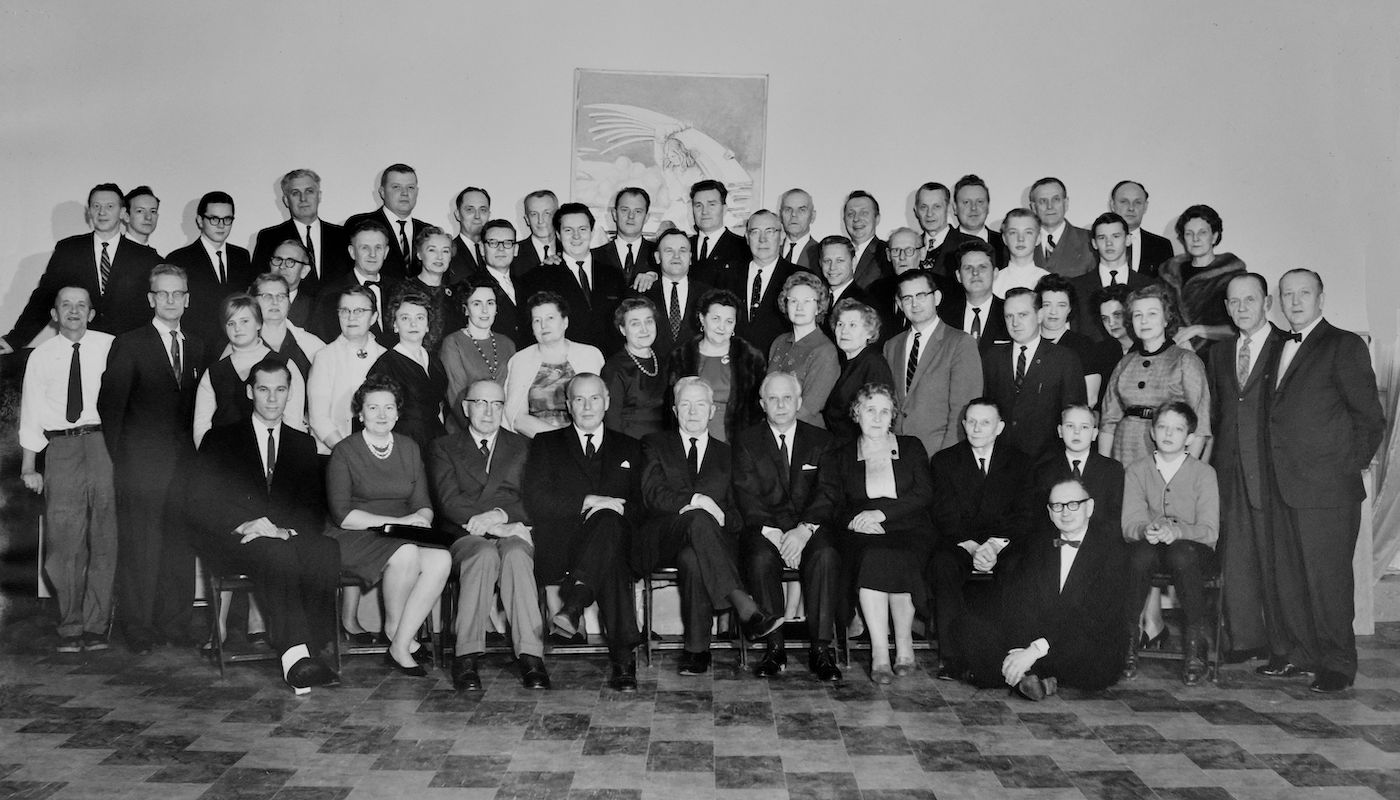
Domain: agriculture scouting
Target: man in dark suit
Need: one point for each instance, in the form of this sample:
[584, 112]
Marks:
[798, 212]
[1146, 251]
[629, 253]
[398, 192]
[675, 296]
[1323, 425]
[759, 282]
[141, 215]
[717, 250]
[369, 246]
[1078, 459]
[112, 269]
[972, 201]
[692, 523]
[290, 260]
[1064, 249]
[478, 475]
[258, 508]
[977, 510]
[499, 246]
[1110, 243]
[542, 246]
[1031, 379]
[323, 241]
[585, 499]
[932, 202]
[1060, 619]
[214, 267]
[905, 250]
[473, 210]
[970, 305]
[1235, 369]
[838, 269]
[861, 216]
[147, 409]
[775, 477]
[591, 289]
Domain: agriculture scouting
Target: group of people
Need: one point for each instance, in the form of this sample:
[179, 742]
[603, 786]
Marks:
[389, 406]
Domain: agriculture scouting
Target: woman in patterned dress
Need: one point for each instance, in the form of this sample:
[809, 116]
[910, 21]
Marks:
[537, 378]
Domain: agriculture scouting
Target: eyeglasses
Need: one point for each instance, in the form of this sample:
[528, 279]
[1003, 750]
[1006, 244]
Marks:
[498, 244]
[220, 221]
[353, 313]
[279, 261]
[279, 297]
[903, 252]
[920, 296]
[166, 297]
[1072, 505]
[482, 405]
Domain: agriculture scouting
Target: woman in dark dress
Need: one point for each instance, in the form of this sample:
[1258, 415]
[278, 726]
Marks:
[636, 374]
[415, 369]
[856, 328]
[433, 247]
[222, 395]
[1198, 279]
[475, 352]
[731, 366]
[1111, 303]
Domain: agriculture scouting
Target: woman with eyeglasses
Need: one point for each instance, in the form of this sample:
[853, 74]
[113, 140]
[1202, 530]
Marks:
[731, 366]
[416, 370]
[475, 352]
[433, 247]
[222, 397]
[537, 377]
[296, 346]
[341, 367]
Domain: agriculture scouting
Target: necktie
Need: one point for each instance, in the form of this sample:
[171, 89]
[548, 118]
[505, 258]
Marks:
[223, 276]
[982, 465]
[310, 249]
[791, 246]
[403, 238]
[976, 323]
[675, 310]
[631, 263]
[692, 458]
[583, 283]
[546, 252]
[1242, 363]
[786, 457]
[913, 365]
[175, 355]
[589, 451]
[480, 258]
[1113, 277]
[485, 451]
[1129, 262]
[1069, 542]
[705, 249]
[1021, 367]
[104, 269]
[755, 292]
[75, 385]
[1074, 467]
[271, 456]
[1050, 247]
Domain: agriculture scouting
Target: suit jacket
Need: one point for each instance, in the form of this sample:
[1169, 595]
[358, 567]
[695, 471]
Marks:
[325, 320]
[668, 485]
[727, 253]
[1054, 379]
[759, 328]
[968, 505]
[1072, 256]
[853, 291]
[1324, 419]
[230, 487]
[511, 320]
[954, 308]
[1101, 475]
[874, 263]
[766, 496]
[939, 260]
[591, 315]
[397, 264]
[146, 413]
[1237, 416]
[1156, 250]
[526, 259]
[302, 312]
[464, 264]
[206, 292]
[120, 309]
[1086, 315]
[659, 293]
[464, 487]
[947, 378]
[809, 257]
[333, 250]
[561, 477]
[643, 260]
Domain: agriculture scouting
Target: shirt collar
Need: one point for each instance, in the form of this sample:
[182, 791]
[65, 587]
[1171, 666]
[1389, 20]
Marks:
[1058, 232]
[395, 219]
[583, 441]
[477, 436]
[1308, 329]
[790, 433]
[164, 330]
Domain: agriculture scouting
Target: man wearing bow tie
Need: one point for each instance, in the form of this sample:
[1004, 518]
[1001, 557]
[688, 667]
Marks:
[369, 247]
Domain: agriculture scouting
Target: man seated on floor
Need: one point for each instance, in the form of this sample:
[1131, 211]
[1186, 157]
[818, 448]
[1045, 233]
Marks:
[1059, 620]
[585, 497]
[775, 475]
[258, 504]
[693, 523]
[477, 475]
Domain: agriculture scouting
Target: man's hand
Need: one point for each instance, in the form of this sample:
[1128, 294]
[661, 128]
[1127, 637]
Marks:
[597, 502]
[1017, 663]
[643, 281]
[481, 523]
[517, 529]
[970, 546]
[984, 559]
[33, 481]
[704, 503]
[868, 522]
[794, 541]
[261, 527]
[1184, 336]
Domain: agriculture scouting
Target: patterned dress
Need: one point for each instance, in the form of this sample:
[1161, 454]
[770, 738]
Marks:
[1145, 380]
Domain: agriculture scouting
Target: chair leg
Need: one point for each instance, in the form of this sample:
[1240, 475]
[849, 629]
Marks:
[646, 617]
[216, 597]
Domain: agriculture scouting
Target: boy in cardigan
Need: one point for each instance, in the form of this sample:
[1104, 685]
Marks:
[1171, 517]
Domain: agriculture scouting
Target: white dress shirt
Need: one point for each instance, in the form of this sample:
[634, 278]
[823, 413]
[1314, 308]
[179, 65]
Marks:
[164, 331]
[217, 253]
[502, 277]
[1058, 233]
[766, 277]
[112, 244]
[1134, 242]
[797, 247]
[1122, 277]
[1030, 346]
[985, 307]
[260, 429]
[572, 264]
[935, 240]
[44, 401]
[1168, 467]
[1290, 349]
[1256, 346]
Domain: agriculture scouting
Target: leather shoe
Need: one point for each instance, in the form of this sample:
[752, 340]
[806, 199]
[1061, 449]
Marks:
[947, 672]
[624, 675]
[423, 655]
[760, 625]
[465, 677]
[773, 663]
[822, 662]
[694, 663]
[308, 672]
[1033, 687]
[565, 624]
[1330, 682]
[532, 672]
[881, 674]
[1280, 667]
[415, 671]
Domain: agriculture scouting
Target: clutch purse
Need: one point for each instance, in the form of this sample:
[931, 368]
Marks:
[426, 537]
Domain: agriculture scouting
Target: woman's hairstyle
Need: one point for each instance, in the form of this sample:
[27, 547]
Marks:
[817, 285]
[867, 315]
[375, 383]
[428, 232]
[471, 287]
[868, 391]
[546, 298]
[630, 304]
[1201, 212]
[412, 298]
[235, 303]
[1117, 293]
[1160, 293]
[717, 297]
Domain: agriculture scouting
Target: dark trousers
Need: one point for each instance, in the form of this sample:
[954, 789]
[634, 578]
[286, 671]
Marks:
[1076, 662]
[951, 565]
[155, 563]
[295, 581]
[599, 554]
[696, 544]
[1243, 546]
[1188, 562]
[80, 532]
[1312, 552]
[820, 569]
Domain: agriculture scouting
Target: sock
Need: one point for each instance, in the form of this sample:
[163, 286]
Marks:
[293, 654]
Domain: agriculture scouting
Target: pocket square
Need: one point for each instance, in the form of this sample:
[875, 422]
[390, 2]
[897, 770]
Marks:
[625, 465]
[806, 467]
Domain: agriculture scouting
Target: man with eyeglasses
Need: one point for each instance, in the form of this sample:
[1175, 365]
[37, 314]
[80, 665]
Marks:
[323, 242]
[904, 249]
[111, 268]
[629, 253]
[215, 268]
[759, 283]
[1061, 615]
[147, 408]
[499, 246]
[473, 210]
[479, 474]
[293, 263]
[398, 191]
[932, 202]
[936, 368]
[369, 250]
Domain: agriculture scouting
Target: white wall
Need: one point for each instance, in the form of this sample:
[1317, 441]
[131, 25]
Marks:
[1281, 116]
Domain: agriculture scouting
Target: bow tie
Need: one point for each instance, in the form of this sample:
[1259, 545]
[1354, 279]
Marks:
[1295, 336]
[1071, 542]
[370, 283]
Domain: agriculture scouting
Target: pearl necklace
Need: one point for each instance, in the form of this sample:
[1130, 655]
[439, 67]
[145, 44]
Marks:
[494, 362]
[655, 364]
[381, 453]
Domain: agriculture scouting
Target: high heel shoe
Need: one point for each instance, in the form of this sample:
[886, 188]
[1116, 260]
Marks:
[415, 671]
[881, 674]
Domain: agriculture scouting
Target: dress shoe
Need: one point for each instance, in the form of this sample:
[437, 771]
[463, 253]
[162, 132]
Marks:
[760, 625]
[773, 663]
[308, 672]
[95, 642]
[822, 662]
[532, 672]
[947, 671]
[566, 623]
[1130, 661]
[1158, 642]
[624, 674]
[1033, 687]
[415, 671]
[903, 669]
[361, 639]
[694, 663]
[1193, 665]
[69, 644]
[1330, 682]
[465, 677]
[423, 655]
[259, 641]
[881, 674]
[1241, 656]
[1280, 667]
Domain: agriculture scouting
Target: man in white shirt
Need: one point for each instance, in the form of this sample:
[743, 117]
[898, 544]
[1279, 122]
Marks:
[473, 210]
[1063, 248]
[717, 250]
[629, 253]
[798, 213]
[323, 242]
[759, 283]
[932, 202]
[1110, 242]
[369, 251]
[1146, 250]
[58, 417]
[861, 216]
[675, 295]
[972, 201]
[215, 267]
[971, 306]
[141, 215]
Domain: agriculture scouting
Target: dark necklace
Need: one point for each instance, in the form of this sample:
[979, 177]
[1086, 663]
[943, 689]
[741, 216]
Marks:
[494, 362]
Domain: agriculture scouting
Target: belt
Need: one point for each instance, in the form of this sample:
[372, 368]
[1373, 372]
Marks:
[81, 430]
[1142, 412]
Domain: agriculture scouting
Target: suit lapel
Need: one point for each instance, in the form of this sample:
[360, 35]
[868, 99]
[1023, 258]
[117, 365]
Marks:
[1266, 352]
[1305, 349]
[927, 351]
